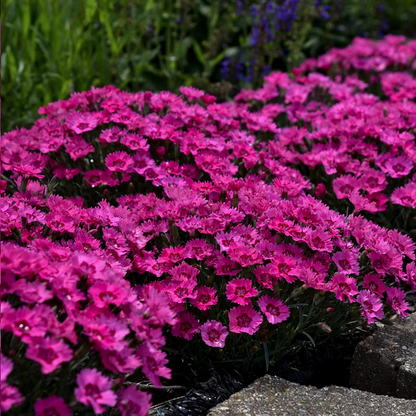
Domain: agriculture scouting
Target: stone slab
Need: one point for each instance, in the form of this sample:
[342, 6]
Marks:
[274, 396]
[385, 362]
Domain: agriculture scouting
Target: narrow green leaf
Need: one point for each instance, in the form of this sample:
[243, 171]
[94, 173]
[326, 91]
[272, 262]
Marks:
[266, 355]
[90, 9]
[198, 52]
[105, 20]
[25, 18]
[149, 5]
[12, 64]
[310, 338]
[216, 60]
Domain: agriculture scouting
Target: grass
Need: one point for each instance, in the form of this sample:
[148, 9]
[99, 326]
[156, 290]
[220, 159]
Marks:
[52, 48]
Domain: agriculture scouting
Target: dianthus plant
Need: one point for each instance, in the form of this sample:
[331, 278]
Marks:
[125, 212]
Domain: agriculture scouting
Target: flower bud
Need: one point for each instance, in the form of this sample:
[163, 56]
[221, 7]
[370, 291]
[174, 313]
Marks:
[326, 328]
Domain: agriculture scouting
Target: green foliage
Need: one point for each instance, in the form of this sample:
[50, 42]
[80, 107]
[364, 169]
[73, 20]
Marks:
[54, 47]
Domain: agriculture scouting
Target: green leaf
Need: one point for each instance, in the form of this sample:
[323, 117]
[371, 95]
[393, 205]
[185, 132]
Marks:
[216, 60]
[12, 63]
[105, 20]
[90, 9]
[149, 5]
[65, 88]
[266, 355]
[310, 338]
[25, 17]
[198, 52]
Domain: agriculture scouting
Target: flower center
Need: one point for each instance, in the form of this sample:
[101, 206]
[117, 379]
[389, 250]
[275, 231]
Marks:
[244, 320]
[92, 391]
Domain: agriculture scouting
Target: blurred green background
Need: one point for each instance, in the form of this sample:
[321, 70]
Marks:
[51, 48]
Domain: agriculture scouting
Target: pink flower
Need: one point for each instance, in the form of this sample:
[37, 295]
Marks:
[372, 306]
[77, 147]
[396, 297]
[284, 267]
[244, 319]
[49, 353]
[135, 142]
[397, 167]
[205, 298]
[362, 203]
[133, 402]
[191, 93]
[274, 309]
[172, 254]
[197, 249]
[373, 181]
[225, 267]
[123, 361]
[118, 161]
[52, 406]
[6, 367]
[246, 256]
[405, 195]
[344, 186]
[9, 397]
[186, 326]
[81, 123]
[383, 263]
[240, 291]
[109, 293]
[265, 275]
[94, 389]
[320, 240]
[226, 240]
[106, 331]
[153, 364]
[214, 334]
[179, 291]
[403, 243]
[320, 190]
[157, 305]
[344, 286]
[60, 222]
[347, 262]
[25, 323]
[411, 275]
[373, 282]
[184, 272]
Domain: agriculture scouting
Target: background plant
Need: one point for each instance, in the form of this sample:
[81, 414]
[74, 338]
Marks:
[52, 48]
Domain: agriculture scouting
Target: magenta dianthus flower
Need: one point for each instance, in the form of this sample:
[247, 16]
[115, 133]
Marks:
[49, 353]
[205, 298]
[274, 309]
[186, 326]
[396, 298]
[244, 319]
[372, 306]
[52, 406]
[94, 389]
[133, 402]
[240, 291]
[214, 334]
[118, 161]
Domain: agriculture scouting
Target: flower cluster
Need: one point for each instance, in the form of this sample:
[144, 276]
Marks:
[123, 212]
[363, 143]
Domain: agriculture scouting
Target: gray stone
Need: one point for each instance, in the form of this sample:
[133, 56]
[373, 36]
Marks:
[385, 362]
[275, 396]
[406, 379]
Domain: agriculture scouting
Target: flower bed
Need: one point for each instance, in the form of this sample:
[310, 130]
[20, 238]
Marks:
[136, 224]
